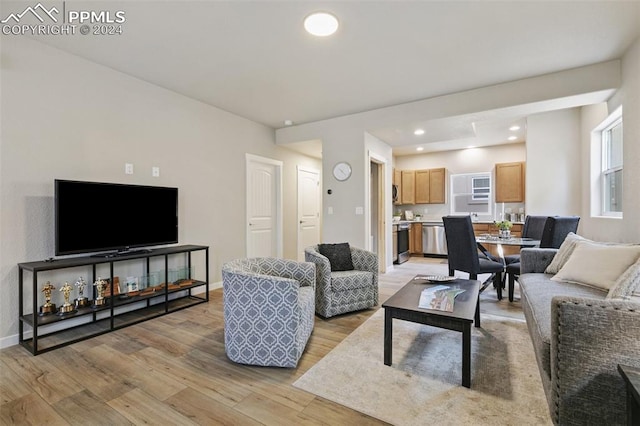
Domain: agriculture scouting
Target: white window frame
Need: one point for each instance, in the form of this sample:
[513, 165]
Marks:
[600, 168]
[480, 193]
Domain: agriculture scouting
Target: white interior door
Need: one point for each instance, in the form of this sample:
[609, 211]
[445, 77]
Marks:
[264, 207]
[308, 209]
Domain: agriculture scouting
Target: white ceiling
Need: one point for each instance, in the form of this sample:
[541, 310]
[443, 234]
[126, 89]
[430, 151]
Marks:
[255, 60]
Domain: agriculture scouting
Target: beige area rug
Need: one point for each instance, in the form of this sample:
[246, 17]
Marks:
[422, 385]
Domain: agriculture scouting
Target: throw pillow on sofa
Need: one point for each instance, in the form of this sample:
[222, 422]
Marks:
[597, 265]
[628, 283]
[339, 256]
[564, 252]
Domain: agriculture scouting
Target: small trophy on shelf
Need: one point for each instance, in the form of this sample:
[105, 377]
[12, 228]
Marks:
[100, 286]
[67, 307]
[48, 307]
[81, 301]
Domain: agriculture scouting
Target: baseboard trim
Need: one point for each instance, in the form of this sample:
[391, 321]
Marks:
[8, 341]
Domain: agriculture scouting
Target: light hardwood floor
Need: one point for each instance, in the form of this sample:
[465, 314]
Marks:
[173, 370]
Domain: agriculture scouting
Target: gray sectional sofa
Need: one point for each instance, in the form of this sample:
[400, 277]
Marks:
[579, 338]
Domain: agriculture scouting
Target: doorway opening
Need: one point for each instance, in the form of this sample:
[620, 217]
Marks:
[377, 220]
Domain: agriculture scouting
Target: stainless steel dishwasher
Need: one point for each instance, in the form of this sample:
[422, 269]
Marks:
[434, 241]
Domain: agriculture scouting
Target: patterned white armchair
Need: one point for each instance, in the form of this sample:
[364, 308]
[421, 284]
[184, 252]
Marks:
[268, 310]
[338, 292]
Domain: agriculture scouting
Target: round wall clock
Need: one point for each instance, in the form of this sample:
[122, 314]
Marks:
[342, 171]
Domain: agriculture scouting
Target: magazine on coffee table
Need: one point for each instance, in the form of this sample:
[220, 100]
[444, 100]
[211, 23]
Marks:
[440, 297]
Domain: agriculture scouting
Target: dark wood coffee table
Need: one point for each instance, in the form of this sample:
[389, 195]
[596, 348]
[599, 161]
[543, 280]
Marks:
[404, 305]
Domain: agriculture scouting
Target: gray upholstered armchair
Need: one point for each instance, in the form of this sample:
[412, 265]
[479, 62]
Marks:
[338, 292]
[269, 310]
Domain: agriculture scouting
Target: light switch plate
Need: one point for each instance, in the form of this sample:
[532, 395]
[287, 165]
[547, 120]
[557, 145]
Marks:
[128, 168]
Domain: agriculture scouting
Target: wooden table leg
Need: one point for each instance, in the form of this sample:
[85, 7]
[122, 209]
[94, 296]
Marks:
[388, 322]
[466, 355]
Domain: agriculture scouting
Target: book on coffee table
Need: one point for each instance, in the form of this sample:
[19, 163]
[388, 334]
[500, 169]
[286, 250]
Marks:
[440, 297]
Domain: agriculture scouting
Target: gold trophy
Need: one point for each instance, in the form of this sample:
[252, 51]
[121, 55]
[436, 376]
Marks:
[67, 307]
[48, 307]
[81, 301]
[100, 286]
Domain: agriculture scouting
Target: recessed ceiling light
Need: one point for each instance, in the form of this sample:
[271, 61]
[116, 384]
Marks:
[288, 123]
[418, 132]
[514, 128]
[321, 24]
[471, 147]
[419, 148]
[512, 138]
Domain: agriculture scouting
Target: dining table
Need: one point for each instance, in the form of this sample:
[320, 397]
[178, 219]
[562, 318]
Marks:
[511, 241]
[500, 241]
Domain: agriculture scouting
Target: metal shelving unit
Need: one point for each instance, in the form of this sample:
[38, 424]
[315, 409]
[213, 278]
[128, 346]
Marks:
[113, 315]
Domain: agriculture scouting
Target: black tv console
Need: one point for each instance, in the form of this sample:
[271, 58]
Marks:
[122, 253]
[55, 330]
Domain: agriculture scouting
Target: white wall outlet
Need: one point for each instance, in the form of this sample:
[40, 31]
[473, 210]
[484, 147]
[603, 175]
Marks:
[426, 210]
[128, 168]
[359, 210]
[329, 210]
[155, 171]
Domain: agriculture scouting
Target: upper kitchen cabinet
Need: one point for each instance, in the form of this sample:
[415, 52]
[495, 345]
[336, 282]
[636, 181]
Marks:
[397, 177]
[408, 190]
[422, 186]
[430, 186]
[437, 186]
[397, 182]
[510, 182]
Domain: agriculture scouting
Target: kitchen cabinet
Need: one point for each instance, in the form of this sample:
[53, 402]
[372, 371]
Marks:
[510, 179]
[408, 189]
[481, 228]
[422, 186]
[430, 186]
[397, 177]
[397, 181]
[415, 238]
[437, 186]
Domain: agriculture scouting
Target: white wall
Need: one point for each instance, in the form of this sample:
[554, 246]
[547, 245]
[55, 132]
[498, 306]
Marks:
[626, 229]
[474, 160]
[65, 117]
[354, 147]
[343, 224]
[629, 229]
[553, 163]
[590, 117]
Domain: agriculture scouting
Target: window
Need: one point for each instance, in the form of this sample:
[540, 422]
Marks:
[480, 188]
[610, 132]
[470, 193]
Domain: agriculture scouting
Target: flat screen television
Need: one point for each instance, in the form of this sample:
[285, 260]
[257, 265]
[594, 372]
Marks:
[97, 216]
